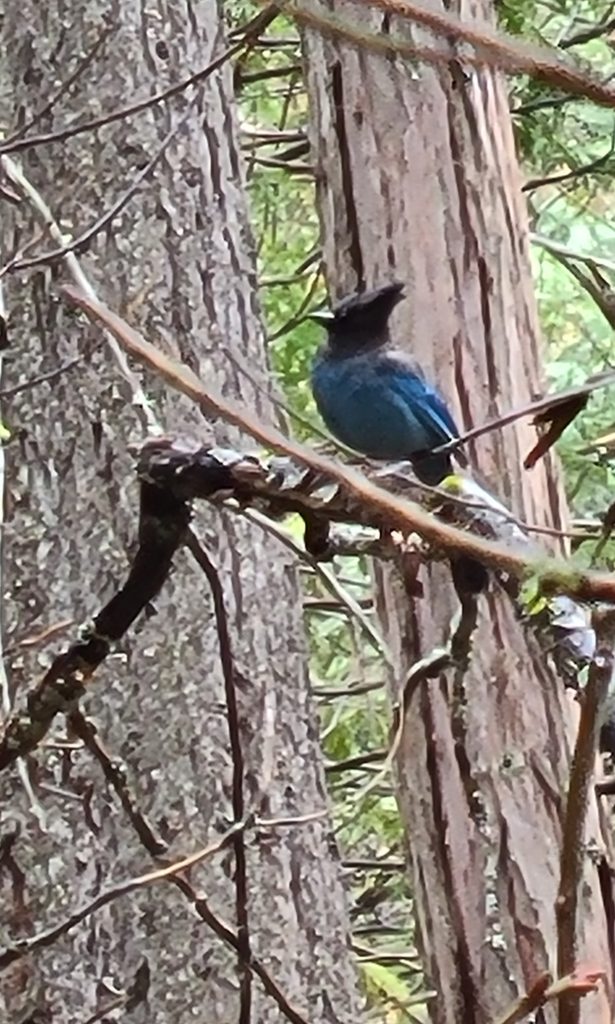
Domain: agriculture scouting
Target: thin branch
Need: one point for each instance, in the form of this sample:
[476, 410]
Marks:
[42, 378]
[492, 50]
[115, 774]
[545, 103]
[16, 145]
[577, 984]
[588, 34]
[65, 88]
[250, 77]
[132, 996]
[595, 285]
[374, 864]
[357, 762]
[277, 163]
[553, 575]
[232, 717]
[579, 792]
[82, 242]
[154, 844]
[329, 580]
[592, 167]
[33, 196]
[114, 892]
[558, 248]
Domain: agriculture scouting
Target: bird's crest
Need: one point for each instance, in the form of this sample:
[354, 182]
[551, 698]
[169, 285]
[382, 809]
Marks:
[361, 313]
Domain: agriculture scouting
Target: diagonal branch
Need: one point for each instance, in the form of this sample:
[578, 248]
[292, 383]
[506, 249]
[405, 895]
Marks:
[82, 241]
[154, 845]
[491, 49]
[554, 575]
[114, 892]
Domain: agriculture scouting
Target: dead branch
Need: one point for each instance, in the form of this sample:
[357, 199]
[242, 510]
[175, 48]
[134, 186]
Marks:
[581, 776]
[114, 892]
[553, 575]
[173, 473]
[492, 50]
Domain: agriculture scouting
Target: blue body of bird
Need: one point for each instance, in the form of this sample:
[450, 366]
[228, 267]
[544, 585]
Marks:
[374, 398]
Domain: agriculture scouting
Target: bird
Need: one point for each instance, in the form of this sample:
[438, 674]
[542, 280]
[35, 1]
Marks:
[376, 400]
[373, 397]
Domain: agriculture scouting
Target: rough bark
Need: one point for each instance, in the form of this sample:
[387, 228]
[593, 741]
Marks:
[418, 181]
[177, 263]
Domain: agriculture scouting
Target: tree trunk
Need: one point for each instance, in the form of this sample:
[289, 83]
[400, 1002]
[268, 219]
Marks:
[177, 263]
[418, 181]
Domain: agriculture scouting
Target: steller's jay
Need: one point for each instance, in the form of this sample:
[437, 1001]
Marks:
[373, 398]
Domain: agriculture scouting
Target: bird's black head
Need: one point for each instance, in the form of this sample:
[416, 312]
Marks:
[361, 321]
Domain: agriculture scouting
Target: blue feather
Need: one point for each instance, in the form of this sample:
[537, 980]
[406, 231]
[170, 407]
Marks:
[374, 399]
[377, 404]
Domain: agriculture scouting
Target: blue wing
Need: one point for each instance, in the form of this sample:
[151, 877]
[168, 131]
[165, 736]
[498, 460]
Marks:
[380, 405]
[427, 404]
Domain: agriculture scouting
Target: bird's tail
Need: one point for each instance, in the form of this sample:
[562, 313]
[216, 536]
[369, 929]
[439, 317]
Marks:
[469, 576]
[431, 469]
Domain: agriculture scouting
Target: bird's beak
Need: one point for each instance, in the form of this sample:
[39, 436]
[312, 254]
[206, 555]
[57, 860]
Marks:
[324, 317]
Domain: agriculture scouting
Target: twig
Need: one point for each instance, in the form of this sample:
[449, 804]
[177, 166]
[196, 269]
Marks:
[82, 241]
[115, 774]
[49, 936]
[133, 995]
[42, 378]
[596, 286]
[115, 1004]
[66, 86]
[232, 717]
[586, 35]
[328, 579]
[546, 103]
[577, 984]
[154, 844]
[600, 163]
[563, 250]
[564, 405]
[579, 789]
[33, 196]
[16, 145]
[358, 761]
[375, 865]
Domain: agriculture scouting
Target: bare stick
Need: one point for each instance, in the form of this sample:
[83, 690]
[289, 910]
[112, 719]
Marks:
[554, 575]
[49, 936]
[579, 792]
